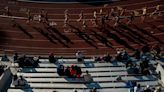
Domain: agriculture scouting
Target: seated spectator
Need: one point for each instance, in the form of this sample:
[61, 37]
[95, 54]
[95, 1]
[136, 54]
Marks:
[73, 71]
[67, 72]
[78, 71]
[119, 55]
[147, 89]
[22, 82]
[52, 59]
[15, 57]
[29, 62]
[5, 58]
[145, 49]
[88, 77]
[124, 55]
[135, 69]
[15, 80]
[158, 89]
[60, 70]
[129, 63]
[137, 88]
[36, 61]
[144, 67]
[118, 78]
[21, 60]
[137, 54]
[79, 56]
[107, 58]
[97, 59]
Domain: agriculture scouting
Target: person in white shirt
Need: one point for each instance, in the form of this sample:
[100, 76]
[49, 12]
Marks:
[79, 56]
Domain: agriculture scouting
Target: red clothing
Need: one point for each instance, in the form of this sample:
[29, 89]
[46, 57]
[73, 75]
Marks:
[73, 72]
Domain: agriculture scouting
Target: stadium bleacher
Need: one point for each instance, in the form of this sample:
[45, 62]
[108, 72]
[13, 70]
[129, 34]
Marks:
[36, 38]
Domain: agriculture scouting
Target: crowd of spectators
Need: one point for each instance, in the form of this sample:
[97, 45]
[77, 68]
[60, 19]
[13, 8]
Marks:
[137, 88]
[24, 61]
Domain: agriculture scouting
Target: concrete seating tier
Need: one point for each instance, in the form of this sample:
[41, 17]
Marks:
[90, 85]
[54, 70]
[96, 79]
[68, 90]
[104, 77]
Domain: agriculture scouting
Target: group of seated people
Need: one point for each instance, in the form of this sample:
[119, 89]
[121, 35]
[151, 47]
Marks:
[105, 58]
[19, 81]
[73, 72]
[24, 61]
[137, 88]
[121, 55]
[142, 68]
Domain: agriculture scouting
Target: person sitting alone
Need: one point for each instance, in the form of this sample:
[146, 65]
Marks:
[22, 82]
[15, 57]
[15, 80]
[107, 58]
[51, 58]
[79, 56]
[87, 77]
[118, 78]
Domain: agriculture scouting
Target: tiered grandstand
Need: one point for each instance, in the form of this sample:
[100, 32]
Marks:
[34, 38]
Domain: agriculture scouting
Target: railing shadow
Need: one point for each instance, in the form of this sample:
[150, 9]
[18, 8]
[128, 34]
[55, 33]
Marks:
[45, 34]
[84, 36]
[60, 34]
[135, 34]
[102, 39]
[23, 30]
[155, 27]
[147, 33]
[126, 35]
[117, 39]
